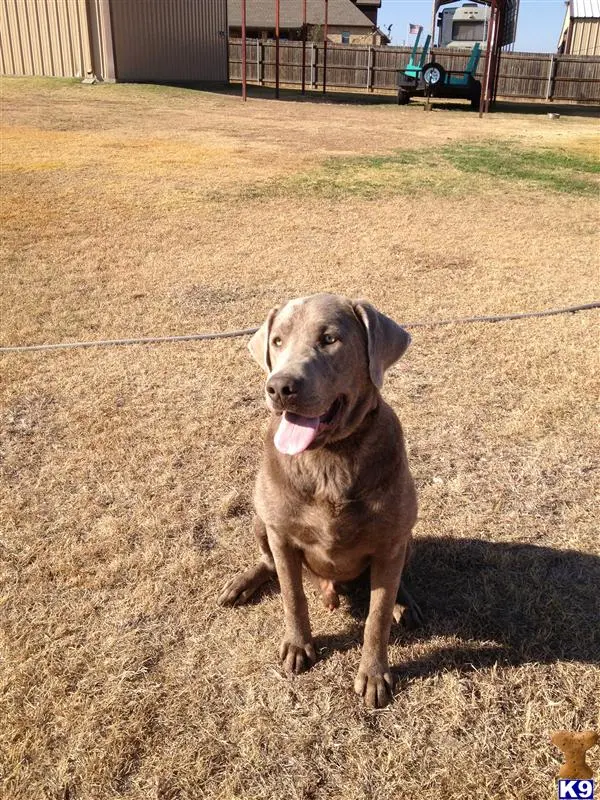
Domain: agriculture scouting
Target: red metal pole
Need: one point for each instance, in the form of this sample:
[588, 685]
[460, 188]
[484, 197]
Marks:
[244, 50]
[277, 49]
[325, 46]
[497, 51]
[303, 46]
[493, 53]
[486, 69]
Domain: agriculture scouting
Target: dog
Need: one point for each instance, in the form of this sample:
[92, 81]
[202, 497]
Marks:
[334, 495]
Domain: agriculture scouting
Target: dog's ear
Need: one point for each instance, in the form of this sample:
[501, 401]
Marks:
[387, 341]
[259, 343]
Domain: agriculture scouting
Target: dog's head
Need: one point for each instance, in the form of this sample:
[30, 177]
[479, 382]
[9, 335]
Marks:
[324, 356]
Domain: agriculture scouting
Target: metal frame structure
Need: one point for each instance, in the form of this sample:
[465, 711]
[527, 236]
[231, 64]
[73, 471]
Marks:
[304, 33]
[503, 15]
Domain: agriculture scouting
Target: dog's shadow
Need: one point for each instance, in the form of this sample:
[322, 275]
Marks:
[505, 603]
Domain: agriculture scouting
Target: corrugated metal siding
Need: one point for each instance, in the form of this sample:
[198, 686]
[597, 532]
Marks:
[585, 37]
[585, 8]
[170, 40]
[44, 37]
[99, 22]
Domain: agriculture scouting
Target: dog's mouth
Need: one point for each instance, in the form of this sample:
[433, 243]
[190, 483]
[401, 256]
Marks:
[296, 433]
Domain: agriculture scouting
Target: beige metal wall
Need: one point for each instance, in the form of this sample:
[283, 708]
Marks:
[585, 37]
[101, 38]
[170, 40]
[44, 37]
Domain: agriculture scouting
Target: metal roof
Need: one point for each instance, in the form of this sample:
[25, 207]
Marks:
[261, 13]
[586, 9]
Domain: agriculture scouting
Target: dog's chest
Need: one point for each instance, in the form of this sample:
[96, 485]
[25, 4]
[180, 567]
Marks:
[330, 504]
[330, 485]
[333, 535]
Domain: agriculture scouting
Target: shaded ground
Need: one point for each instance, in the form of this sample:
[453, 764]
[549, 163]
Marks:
[127, 473]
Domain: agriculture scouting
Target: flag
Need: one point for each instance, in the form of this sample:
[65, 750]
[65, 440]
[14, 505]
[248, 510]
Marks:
[414, 30]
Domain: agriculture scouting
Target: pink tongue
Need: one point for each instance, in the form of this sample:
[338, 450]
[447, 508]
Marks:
[295, 433]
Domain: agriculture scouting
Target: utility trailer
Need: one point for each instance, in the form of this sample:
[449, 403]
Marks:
[430, 79]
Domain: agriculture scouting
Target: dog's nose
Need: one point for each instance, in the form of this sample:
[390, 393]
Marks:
[283, 387]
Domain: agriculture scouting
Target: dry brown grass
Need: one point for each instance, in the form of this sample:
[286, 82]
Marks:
[127, 473]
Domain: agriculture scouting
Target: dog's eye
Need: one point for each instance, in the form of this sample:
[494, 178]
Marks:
[276, 341]
[329, 338]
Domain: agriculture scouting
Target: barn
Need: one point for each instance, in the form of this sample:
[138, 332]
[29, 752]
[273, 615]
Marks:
[580, 35]
[124, 40]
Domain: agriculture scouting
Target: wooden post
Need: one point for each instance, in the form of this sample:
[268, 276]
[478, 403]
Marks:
[549, 86]
[277, 49]
[258, 61]
[244, 50]
[303, 46]
[369, 76]
[325, 34]
[373, 60]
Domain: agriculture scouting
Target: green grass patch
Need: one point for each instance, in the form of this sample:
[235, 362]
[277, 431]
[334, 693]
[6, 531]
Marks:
[563, 172]
[27, 83]
[447, 170]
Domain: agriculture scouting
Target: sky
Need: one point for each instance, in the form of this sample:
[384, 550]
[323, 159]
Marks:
[538, 29]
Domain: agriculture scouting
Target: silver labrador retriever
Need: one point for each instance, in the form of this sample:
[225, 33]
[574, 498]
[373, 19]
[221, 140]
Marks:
[334, 494]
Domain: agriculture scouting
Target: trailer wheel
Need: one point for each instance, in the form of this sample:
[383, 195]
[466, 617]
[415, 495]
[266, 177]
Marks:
[403, 97]
[434, 74]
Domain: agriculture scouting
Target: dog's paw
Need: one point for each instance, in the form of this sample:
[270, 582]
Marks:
[376, 687]
[239, 590]
[297, 658]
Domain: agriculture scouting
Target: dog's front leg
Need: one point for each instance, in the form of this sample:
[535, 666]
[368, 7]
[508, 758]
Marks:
[374, 681]
[297, 651]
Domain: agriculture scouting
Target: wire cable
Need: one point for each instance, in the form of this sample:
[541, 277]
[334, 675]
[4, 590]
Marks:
[192, 337]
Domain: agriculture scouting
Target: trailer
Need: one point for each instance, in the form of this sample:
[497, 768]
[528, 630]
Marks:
[430, 79]
[460, 28]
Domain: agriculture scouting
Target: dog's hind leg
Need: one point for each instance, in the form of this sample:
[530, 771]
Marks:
[241, 588]
[406, 609]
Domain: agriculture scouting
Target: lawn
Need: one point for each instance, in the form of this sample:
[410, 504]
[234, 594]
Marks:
[126, 472]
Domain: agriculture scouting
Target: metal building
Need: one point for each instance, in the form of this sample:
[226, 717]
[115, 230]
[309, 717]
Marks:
[127, 40]
[580, 35]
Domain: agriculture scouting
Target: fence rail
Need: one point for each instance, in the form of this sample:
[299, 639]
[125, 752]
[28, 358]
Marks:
[530, 76]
